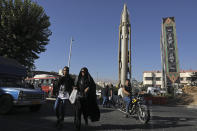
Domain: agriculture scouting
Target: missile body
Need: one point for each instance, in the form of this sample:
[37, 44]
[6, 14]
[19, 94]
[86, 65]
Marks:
[124, 49]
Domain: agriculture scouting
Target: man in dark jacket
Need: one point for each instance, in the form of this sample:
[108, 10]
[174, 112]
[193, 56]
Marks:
[111, 93]
[105, 95]
[65, 86]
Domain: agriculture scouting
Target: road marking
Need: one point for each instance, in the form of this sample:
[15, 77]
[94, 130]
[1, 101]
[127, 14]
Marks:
[182, 119]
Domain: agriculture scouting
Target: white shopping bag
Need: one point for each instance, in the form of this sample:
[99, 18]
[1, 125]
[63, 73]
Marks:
[73, 96]
[110, 98]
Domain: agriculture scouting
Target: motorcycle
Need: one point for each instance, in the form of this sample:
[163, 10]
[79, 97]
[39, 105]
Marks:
[136, 108]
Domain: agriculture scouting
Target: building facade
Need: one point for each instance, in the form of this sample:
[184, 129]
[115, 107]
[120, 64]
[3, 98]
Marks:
[185, 76]
[154, 78]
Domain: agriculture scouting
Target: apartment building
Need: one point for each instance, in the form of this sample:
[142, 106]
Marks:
[154, 78]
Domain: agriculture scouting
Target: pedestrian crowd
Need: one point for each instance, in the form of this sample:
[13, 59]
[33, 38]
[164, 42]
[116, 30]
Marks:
[85, 99]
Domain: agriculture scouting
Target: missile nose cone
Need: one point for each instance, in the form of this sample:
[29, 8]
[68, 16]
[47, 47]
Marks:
[125, 7]
[125, 14]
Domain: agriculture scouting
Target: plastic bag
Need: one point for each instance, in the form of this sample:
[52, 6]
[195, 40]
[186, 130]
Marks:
[73, 96]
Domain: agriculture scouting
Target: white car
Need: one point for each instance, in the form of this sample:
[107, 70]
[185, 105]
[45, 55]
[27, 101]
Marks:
[153, 90]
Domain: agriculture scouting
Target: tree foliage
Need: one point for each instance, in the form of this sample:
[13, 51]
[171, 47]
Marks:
[23, 31]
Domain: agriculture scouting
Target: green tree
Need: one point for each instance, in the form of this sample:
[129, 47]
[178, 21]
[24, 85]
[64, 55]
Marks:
[23, 31]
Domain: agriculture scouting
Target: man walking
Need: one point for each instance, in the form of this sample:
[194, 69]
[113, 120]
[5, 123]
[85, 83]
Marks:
[65, 86]
[110, 93]
[105, 95]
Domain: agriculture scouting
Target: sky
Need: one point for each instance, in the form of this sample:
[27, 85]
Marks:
[94, 26]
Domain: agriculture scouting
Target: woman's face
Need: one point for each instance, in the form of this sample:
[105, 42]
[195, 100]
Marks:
[82, 72]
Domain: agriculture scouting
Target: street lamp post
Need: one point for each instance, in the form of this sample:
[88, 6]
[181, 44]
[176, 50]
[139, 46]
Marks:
[70, 51]
[97, 76]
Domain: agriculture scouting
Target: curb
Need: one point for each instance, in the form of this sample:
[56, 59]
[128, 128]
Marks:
[192, 106]
[53, 99]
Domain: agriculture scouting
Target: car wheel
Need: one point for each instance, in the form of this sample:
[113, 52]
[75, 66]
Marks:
[35, 108]
[6, 104]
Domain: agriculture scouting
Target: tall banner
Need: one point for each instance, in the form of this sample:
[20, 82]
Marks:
[169, 51]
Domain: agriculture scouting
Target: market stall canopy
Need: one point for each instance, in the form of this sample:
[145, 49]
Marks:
[11, 68]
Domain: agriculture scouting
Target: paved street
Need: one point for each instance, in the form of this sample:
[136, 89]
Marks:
[164, 118]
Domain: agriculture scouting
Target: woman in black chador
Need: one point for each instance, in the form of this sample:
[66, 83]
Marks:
[86, 102]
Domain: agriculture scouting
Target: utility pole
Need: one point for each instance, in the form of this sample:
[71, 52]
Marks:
[70, 51]
[97, 76]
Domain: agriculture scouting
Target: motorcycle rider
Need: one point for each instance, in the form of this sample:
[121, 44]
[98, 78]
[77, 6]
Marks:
[127, 92]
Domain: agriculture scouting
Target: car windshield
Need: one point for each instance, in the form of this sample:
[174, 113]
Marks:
[7, 82]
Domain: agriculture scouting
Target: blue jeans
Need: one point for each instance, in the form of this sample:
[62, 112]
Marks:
[59, 108]
[127, 100]
[105, 99]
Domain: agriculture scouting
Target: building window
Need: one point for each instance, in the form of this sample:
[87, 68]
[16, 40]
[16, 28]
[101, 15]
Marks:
[188, 78]
[148, 78]
[181, 79]
[158, 78]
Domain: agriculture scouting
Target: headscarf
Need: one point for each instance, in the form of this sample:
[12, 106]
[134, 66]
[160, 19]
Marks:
[93, 109]
[87, 77]
[85, 72]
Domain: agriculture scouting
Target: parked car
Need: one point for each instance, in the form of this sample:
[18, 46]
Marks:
[13, 92]
[13, 89]
[162, 91]
[153, 90]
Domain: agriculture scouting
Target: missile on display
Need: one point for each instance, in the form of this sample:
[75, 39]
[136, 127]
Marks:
[124, 51]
